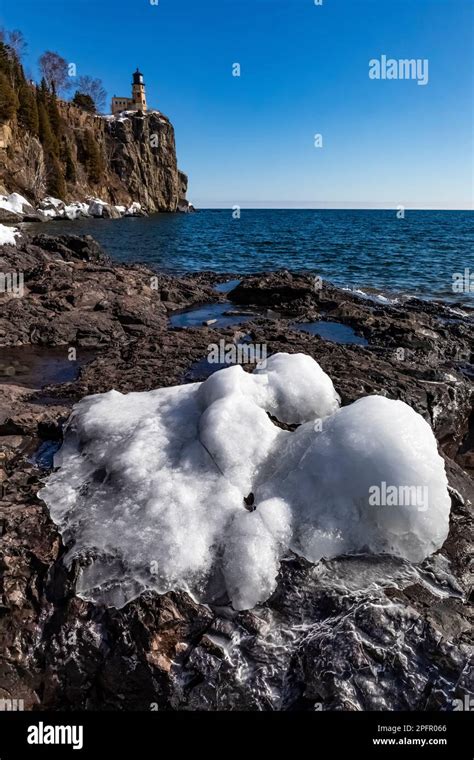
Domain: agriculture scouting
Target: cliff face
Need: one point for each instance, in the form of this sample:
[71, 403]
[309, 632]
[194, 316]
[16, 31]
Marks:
[134, 160]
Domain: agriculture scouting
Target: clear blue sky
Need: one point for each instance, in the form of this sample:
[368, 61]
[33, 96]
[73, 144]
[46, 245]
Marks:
[304, 70]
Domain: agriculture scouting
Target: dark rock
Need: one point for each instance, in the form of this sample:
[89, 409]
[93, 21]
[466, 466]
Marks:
[110, 212]
[10, 217]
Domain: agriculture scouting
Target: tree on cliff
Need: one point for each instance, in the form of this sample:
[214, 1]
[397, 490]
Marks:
[46, 136]
[53, 112]
[28, 109]
[70, 170]
[17, 42]
[54, 171]
[81, 100]
[54, 70]
[54, 177]
[11, 66]
[94, 89]
[94, 162]
[8, 99]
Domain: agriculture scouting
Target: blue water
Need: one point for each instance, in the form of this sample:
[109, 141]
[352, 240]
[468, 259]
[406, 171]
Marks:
[196, 317]
[335, 332]
[417, 255]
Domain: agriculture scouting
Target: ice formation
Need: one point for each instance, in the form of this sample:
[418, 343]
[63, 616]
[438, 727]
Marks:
[151, 486]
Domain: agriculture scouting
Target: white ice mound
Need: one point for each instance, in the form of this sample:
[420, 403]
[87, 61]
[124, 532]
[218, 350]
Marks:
[371, 480]
[151, 486]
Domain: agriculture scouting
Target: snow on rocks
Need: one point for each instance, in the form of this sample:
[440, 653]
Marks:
[15, 202]
[49, 203]
[8, 235]
[135, 209]
[76, 210]
[154, 487]
[101, 209]
[15, 209]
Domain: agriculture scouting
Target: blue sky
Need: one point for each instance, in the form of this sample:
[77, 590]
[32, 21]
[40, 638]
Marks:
[304, 70]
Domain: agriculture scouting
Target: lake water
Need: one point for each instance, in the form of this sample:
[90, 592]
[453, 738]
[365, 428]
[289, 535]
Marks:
[418, 255]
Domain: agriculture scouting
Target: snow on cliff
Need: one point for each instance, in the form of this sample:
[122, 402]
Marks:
[151, 486]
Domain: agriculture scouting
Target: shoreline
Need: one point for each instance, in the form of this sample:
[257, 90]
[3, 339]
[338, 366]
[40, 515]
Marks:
[16, 209]
[173, 245]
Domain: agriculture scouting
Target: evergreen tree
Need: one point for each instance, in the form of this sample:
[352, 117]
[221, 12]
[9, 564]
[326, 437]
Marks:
[8, 99]
[70, 171]
[10, 65]
[28, 109]
[93, 159]
[42, 92]
[46, 136]
[4, 59]
[54, 116]
[81, 100]
[55, 178]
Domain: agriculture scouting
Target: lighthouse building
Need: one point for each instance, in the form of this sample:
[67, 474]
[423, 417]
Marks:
[138, 100]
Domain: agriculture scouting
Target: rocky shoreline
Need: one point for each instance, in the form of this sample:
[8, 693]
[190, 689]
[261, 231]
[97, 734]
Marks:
[352, 633]
[15, 209]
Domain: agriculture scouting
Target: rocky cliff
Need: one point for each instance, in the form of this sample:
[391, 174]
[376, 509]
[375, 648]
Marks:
[134, 160]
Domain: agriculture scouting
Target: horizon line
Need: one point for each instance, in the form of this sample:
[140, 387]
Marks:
[256, 207]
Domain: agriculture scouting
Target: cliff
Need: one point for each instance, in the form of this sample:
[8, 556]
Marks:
[120, 160]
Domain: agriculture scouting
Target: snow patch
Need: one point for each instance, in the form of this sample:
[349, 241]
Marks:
[49, 202]
[133, 209]
[16, 203]
[151, 486]
[76, 210]
[8, 235]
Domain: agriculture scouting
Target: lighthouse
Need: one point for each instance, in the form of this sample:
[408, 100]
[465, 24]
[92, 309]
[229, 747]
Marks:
[138, 100]
[138, 91]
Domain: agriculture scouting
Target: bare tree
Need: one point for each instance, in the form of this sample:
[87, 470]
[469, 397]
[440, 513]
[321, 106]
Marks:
[17, 42]
[94, 88]
[54, 69]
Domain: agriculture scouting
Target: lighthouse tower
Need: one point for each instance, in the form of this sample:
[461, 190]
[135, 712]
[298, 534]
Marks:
[138, 91]
[138, 100]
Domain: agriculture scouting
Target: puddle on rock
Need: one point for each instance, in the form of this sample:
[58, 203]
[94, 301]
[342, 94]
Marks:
[36, 366]
[335, 332]
[203, 368]
[197, 316]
